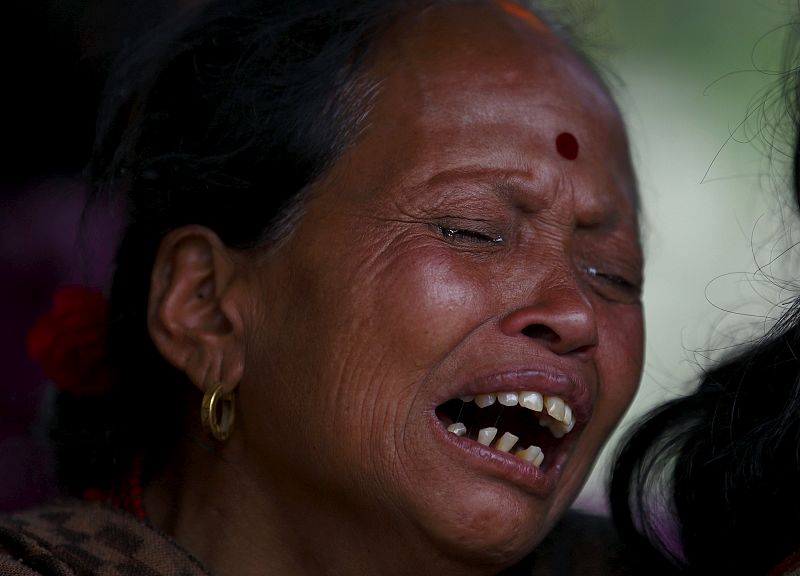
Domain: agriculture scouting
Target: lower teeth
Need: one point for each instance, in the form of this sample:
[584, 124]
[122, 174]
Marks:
[506, 442]
[486, 435]
[532, 454]
[458, 429]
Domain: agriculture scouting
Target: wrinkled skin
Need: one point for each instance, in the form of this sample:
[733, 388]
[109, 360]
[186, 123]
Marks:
[367, 316]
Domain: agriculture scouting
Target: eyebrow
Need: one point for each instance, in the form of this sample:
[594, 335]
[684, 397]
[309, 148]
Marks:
[518, 188]
[507, 185]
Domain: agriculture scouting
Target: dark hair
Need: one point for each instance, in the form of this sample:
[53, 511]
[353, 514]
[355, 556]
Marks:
[721, 466]
[224, 124]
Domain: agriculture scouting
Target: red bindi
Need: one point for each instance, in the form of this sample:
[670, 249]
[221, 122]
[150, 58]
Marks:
[567, 145]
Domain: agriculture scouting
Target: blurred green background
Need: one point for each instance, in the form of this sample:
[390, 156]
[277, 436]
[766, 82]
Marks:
[717, 211]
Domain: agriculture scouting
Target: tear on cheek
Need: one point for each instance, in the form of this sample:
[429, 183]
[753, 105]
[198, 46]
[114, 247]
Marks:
[567, 146]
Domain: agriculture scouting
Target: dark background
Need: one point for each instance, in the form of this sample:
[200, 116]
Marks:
[54, 59]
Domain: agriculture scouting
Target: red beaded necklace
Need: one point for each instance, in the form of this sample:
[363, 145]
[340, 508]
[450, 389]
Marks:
[127, 496]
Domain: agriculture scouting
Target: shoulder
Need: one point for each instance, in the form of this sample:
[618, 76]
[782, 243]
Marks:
[72, 537]
[584, 543]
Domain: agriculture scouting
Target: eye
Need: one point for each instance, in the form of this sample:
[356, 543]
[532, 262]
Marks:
[615, 287]
[468, 236]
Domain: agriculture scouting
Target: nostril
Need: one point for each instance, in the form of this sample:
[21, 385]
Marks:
[563, 325]
[540, 332]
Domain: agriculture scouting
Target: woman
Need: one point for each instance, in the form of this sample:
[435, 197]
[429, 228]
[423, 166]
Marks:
[708, 482]
[375, 245]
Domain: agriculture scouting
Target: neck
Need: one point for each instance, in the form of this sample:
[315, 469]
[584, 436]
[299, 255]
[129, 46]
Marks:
[238, 522]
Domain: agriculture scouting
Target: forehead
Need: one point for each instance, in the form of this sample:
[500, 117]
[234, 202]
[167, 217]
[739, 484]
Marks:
[455, 54]
[477, 84]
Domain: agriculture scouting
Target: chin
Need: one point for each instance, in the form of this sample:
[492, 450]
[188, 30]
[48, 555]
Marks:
[489, 526]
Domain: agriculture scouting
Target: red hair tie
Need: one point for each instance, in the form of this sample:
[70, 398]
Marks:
[70, 342]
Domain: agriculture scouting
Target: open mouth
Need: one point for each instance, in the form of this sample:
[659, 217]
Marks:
[527, 424]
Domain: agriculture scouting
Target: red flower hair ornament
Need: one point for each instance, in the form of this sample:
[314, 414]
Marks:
[70, 342]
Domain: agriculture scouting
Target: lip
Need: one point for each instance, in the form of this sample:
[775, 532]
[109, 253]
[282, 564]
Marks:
[569, 385]
[548, 380]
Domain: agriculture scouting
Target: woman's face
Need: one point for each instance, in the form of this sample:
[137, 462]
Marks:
[479, 239]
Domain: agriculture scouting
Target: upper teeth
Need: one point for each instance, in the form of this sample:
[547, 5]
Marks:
[507, 398]
[484, 400]
[531, 401]
[555, 406]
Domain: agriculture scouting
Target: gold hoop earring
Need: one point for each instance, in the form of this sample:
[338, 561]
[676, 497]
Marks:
[218, 412]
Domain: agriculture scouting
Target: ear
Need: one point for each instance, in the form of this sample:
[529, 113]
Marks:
[193, 312]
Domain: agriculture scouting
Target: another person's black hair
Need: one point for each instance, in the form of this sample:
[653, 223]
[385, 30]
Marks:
[223, 124]
[720, 467]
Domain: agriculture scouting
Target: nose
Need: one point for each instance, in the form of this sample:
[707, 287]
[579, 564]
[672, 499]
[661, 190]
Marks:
[559, 317]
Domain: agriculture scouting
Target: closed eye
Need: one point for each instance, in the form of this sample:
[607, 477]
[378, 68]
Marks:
[464, 235]
[616, 287]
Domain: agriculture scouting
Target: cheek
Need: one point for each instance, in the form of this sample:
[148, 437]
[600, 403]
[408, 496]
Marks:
[436, 300]
[620, 361]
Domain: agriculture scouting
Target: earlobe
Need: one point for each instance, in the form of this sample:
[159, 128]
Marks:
[192, 319]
